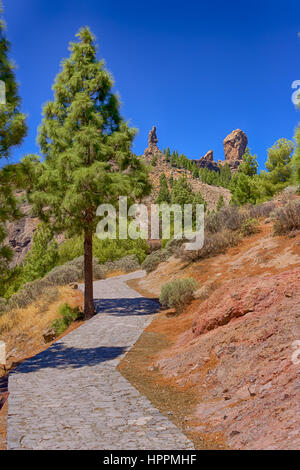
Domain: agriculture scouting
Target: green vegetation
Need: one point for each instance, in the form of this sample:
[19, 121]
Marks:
[296, 160]
[249, 187]
[220, 203]
[249, 227]
[154, 259]
[164, 195]
[14, 295]
[177, 294]
[103, 250]
[214, 178]
[13, 130]
[286, 218]
[68, 316]
[86, 148]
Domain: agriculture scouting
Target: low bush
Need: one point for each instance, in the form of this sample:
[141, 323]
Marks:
[68, 316]
[174, 245]
[286, 218]
[127, 264]
[261, 210]
[230, 218]
[214, 244]
[249, 227]
[178, 293]
[154, 259]
[3, 305]
[62, 275]
[29, 293]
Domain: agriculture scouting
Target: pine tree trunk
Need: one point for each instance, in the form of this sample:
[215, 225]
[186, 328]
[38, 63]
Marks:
[88, 276]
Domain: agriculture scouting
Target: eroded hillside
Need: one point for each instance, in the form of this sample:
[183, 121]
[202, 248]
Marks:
[228, 356]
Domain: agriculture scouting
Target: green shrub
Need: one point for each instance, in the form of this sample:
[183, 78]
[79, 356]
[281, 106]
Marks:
[178, 293]
[230, 218]
[29, 293]
[103, 250]
[154, 160]
[249, 227]
[286, 218]
[127, 264]
[173, 245]
[68, 316]
[3, 305]
[214, 244]
[261, 210]
[42, 257]
[154, 259]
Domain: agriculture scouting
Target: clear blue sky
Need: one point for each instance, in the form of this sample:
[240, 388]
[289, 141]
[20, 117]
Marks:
[195, 69]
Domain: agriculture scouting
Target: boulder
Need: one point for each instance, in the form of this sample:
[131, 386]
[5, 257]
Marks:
[49, 335]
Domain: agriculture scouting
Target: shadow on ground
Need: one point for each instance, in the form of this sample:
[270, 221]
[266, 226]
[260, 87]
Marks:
[59, 356]
[125, 307]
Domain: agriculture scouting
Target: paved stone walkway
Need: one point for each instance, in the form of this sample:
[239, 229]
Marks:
[72, 397]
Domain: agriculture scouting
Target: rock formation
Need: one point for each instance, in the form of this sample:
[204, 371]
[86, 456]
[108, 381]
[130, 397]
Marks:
[234, 148]
[20, 234]
[152, 145]
[207, 162]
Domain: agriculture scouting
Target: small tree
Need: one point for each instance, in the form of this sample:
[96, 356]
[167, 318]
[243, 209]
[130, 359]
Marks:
[245, 189]
[279, 163]
[86, 146]
[220, 203]
[42, 257]
[12, 131]
[249, 165]
[164, 193]
[296, 159]
[182, 192]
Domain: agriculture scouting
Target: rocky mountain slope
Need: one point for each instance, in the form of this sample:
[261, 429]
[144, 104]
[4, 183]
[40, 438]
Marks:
[234, 148]
[231, 354]
[20, 233]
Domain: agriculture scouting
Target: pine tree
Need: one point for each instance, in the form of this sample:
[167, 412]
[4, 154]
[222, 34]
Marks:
[246, 189]
[279, 164]
[220, 203]
[43, 255]
[182, 192]
[168, 154]
[12, 131]
[296, 159]
[86, 148]
[249, 165]
[164, 195]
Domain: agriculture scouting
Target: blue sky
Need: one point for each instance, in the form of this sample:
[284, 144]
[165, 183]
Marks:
[197, 70]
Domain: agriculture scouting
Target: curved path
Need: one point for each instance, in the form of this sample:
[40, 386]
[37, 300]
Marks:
[72, 397]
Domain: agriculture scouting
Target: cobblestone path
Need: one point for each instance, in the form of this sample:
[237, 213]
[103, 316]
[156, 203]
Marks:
[72, 397]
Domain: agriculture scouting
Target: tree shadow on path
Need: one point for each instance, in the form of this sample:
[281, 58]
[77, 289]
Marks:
[125, 307]
[60, 356]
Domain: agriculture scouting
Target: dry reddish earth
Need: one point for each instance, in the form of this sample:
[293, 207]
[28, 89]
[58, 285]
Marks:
[232, 347]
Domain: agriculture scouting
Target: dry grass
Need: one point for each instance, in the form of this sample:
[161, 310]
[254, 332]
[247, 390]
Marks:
[22, 329]
[286, 218]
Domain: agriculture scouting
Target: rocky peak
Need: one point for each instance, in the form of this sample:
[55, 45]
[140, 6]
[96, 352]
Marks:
[152, 144]
[234, 148]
